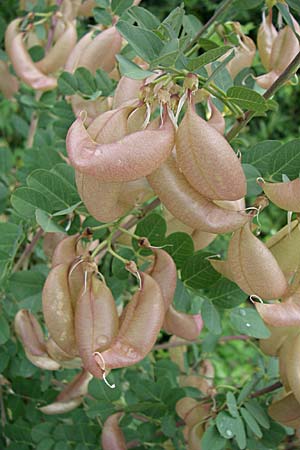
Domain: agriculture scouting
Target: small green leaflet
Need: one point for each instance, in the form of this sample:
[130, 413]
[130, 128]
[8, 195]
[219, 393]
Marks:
[247, 321]
[132, 70]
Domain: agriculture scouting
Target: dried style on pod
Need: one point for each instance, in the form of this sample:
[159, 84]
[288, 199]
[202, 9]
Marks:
[284, 314]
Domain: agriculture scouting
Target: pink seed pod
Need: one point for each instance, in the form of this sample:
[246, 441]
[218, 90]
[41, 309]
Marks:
[74, 57]
[253, 267]
[272, 345]
[101, 51]
[71, 396]
[93, 108]
[22, 62]
[31, 335]
[283, 357]
[112, 437]
[266, 36]
[194, 436]
[58, 309]
[284, 314]
[285, 195]
[9, 84]
[191, 410]
[216, 119]
[96, 322]
[127, 89]
[286, 410]
[130, 158]
[222, 267]
[140, 327]
[244, 56]
[67, 250]
[292, 366]
[51, 241]
[110, 126]
[57, 353]
[206, 159]
[185, 326]
[58, 54]
[190, 207]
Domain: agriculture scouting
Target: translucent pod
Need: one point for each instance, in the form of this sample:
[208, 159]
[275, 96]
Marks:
[112, 437]
[190, 207]
[206, 159]
[50, 242]
[244, 56]
[93, 108]
[216, 119]
[58, 309]
[286, 410]
[185, 326]
[22, 62]
[130, 158]
[58, 54]
[284, 314]
[101, 51]
[96, 322]
[140, 327]
[292, 365]
[279, 335]
[266, 36]
[127, 89]
[284, 247]
[253, 267]
[9, 84]
[31, 335]
[285, 195]
[71, 396]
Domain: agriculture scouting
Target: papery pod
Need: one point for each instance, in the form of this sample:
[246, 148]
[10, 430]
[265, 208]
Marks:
[194, 436]
[279, 335]
[185, 326]
[31, 335]
[216, 119]
[184, 406]
[58, 309]
[93, 108]
[284, 247]
[56, 352]
[112, 437]
[292, 365]
[282, 359]
[22, 62]
[244, 56]
[206, 159]
[265, 39]
[96, 322]
[253, 267]
[51, 241]
[71, 396]
[177, 353]
[127, 89]
[202, 239]
[136, 120]
[101, 51]
[9, 84]
[222, 267]
[286, 411]
[140, 326]
[187, 205]
[73, 60]
[285, 195]
[284, 314]
[196, 382]
[136, 192]
[67, 250]
[235, 205]
[58, 54]
[86, 8]
[130, 158]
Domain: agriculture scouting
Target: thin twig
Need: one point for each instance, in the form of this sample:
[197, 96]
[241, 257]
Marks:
[205, 27]
[180, 342]
[267, 389]
[28, 250]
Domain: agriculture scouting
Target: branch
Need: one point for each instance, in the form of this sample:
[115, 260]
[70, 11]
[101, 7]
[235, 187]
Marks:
[213, 18]
[28, 250]
[281, 80]
[179, 343]
[267, 389]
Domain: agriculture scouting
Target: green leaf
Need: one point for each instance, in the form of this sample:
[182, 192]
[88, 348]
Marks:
[41, 431]
[182, 298]
[251, 174]
[45, 221]
[231, 404]
[145, 43]
[4, 329]
[211, 317]
[132, 70]
[261, 156]
[119, 6]
[258, 412]
[101, 392]
[211, 439]
[225, 294]
[102, 16]
[67, 84]
[251, 422]
[153, 227]
[26, 200]
[168, 426]
[192, 25]
[10, 237]
[6, 160]
[284, 11]
[206, 58]
[247, 99]
[294, 4]
[226, 425]
[198, 273]
[103, 83]
[286, 160]
[118, 267]
[180, 246]
[85, 81]
[27, 288]
[240, 433]
[248, 321]
[247, 389]
[144, 18]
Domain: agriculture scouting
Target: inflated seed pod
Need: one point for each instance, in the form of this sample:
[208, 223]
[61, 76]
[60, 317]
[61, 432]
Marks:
[56, 352]
[222, 267]
[194, 436]
[112, 437]
[96, 322]
[253, 267]
[9, 84]
[140, 327]
[93, 108]
[292, 365]
[71, 396]
[130, 158]
[59, 53]
[184, 406]
[266, 36]
[58, 309]
[177, 353]
[191, 410]
[51, 241]
[67, 250]
[101, 51]
[127, 89]
[185, 326]
[282, 359]
[244, 56]
[285, 195]
[31, 335]
[286, 410]
[206, 159]
[22, 62]
[284, 314]
[74, 57]
[216, 119]
[279, 335]
[187, 205]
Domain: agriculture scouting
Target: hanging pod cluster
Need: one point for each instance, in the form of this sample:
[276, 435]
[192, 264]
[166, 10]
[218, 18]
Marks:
[276, 49]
